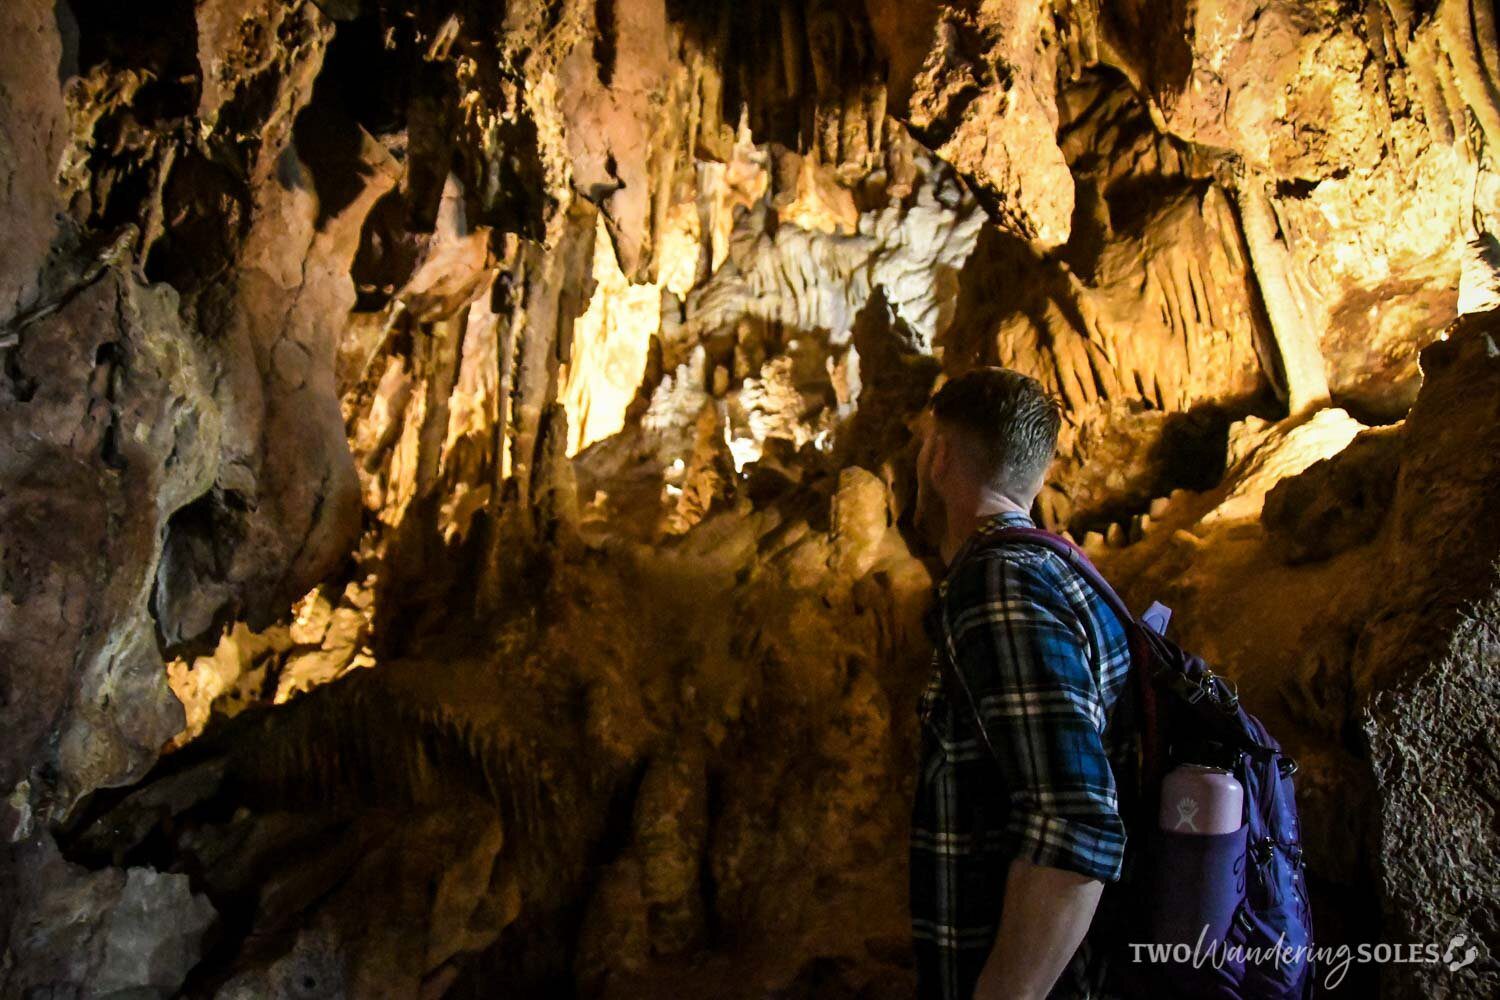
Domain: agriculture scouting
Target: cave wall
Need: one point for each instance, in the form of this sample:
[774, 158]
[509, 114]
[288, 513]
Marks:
[472, 439]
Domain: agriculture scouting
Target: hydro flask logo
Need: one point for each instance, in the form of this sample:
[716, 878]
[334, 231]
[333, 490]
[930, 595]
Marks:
[1186, 809]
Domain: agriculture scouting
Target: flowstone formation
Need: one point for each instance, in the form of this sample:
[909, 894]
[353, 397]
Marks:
[455, 476]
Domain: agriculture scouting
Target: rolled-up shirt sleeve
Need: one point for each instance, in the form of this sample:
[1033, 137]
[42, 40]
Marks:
[1023, 654]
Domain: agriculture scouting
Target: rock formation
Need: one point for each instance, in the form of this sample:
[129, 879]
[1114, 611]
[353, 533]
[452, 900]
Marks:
[455, 479]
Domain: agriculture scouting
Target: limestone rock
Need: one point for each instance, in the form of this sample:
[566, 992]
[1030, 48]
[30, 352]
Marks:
[1439, 521]
[982, 95]
[500, 417]
[1428, 659]
[106, 933]
[32, 119]
[1335, 503]
[859, 520]
[1245, 75]
[109, 425]
[1438, 774]
[1281, 453]
[815, 280]
[614, 939]
[650, 902]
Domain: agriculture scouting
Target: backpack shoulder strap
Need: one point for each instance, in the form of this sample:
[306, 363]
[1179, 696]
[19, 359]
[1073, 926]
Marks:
[1157, 661]
[1151, 741]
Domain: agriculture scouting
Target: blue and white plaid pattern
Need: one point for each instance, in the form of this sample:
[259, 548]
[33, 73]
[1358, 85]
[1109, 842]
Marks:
[1045, 661]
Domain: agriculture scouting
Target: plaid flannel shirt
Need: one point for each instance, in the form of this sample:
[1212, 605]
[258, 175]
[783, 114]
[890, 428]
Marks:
[1045, 661]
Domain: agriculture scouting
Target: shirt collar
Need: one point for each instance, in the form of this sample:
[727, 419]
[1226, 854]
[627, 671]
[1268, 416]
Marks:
[1004, 519]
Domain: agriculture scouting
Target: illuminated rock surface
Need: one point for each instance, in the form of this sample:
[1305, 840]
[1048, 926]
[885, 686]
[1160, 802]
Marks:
[490, 423]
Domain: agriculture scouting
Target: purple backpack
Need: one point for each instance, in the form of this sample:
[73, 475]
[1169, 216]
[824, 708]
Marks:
[1225, 916]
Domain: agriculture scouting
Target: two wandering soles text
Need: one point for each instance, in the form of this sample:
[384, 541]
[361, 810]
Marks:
[1333, 960]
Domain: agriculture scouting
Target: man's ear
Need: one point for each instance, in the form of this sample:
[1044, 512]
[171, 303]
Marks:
[940, 452]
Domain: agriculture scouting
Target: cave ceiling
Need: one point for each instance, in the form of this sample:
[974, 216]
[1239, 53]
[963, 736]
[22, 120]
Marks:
[456, 465]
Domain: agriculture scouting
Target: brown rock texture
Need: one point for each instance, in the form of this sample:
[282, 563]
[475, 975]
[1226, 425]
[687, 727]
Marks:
[1431, 655]
[143, 933]
[983, 96]
[110, 428]
[455, 465]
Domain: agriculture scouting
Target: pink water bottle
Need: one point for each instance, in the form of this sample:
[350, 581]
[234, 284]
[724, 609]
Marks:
[1202, 800]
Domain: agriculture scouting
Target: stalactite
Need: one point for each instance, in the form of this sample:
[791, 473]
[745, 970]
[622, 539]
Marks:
[607, 668]
[1469, 39]
[1296, 341]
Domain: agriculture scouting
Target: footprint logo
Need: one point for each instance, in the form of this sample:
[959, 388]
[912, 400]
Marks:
[1470, 953]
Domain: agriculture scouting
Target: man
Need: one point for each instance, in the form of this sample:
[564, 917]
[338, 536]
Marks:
[1016, 828]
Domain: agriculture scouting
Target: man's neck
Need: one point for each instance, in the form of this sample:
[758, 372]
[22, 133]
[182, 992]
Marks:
[964, 520]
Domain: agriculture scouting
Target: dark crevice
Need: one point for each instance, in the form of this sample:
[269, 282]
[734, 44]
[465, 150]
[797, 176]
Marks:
[366, 77]
[67, 32]
[708, 883]
[109, 357]
[22, 386]
[159, 38]
[205, 213]
[330, 143]
[605, 42]
[387, 253]
[197, 548]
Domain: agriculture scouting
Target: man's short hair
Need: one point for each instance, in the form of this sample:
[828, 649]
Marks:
[1009, 419]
